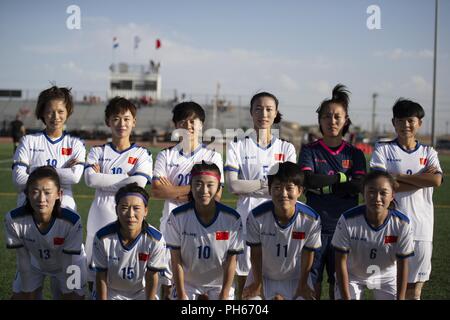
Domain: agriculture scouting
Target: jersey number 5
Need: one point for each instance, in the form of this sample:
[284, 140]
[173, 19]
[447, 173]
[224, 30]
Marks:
[127, 273]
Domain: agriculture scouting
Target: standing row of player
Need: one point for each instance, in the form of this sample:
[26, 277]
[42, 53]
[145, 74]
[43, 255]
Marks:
[332, 169]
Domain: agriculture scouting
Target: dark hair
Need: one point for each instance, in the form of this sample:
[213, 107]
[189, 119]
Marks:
[404, 108]
[53, 93]
[374, 175]
[133, 188]
[340, 95]
[265, 94]
[44, 172]
[118, 105]
[287, 172]
[204, 166]
[186, 110]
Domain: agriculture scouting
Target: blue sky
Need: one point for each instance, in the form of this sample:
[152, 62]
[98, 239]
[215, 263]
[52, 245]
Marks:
[296, 49]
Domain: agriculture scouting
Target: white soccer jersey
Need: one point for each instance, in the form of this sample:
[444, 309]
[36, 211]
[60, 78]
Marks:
[38, 149]
[253, 162]
[204, 248]
[282, 245]
[126, 265]
[176, 166]
[372, 253]
[47, 249]
[418, 205]
[116, 168]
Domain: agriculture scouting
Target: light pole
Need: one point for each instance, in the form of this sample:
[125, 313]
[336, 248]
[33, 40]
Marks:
[433, 113]
[374, 97]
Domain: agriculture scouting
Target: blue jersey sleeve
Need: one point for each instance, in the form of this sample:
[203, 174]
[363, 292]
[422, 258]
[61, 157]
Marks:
[306, 159]
[359, 163]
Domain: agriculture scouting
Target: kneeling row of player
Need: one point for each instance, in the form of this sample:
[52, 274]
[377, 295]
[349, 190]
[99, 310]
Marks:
[204, 237]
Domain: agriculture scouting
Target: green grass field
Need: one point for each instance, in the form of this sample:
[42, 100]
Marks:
[437, 288]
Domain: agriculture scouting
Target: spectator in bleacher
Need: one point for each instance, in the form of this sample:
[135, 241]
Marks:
[17, 131]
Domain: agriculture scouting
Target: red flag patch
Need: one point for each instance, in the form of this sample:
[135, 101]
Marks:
[390, 239]
[346, 164]
[222, 235]
[143, 256]
[66, 151]
[298, 235]
[58, 241]
[132, 160]
[279, 156]
[423, 161]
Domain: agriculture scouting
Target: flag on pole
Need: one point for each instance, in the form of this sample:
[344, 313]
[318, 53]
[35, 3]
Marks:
[136, 42]
[158, 44]
[115, 43]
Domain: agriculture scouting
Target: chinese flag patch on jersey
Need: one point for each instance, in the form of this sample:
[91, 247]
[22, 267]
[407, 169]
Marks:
[298, 235]
[279, 156]
[346, 164]
[423, 161]
[390, 239]
[132, 160]
[222, 235]
[66, 151]
[143, 256]
[58, 241]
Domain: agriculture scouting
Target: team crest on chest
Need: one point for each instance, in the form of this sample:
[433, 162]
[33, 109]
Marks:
[298, 235]
[390, 239]
[143, 256]
[346, 164]
[66, 151]
[58, 241]
[280, 157]
[132, 160]
[222, 235]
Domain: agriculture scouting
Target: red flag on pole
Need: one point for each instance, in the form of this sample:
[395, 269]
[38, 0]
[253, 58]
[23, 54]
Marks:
[158, 44]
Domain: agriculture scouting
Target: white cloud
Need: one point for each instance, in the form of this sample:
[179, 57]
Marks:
[398, 53]
[288, 83]
[45, 49]
[184, 65]
[322, 87]
[419, 84]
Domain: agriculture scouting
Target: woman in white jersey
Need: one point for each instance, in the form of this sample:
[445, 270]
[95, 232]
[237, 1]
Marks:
[283, 235]
[129, 253]
[45, 237]
[172, 174]
[53, 147]
[112, 166]
[249, 159]
[372, 243]
[417, 170]
[204, 237]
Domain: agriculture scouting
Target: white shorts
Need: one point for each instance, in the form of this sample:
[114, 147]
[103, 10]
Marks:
[419, 265]
[101, 213]
[243, 263]
[387, 290]
[120, 295]
[165, 278]
[194, 291]
[286, 288]
[57, 285]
